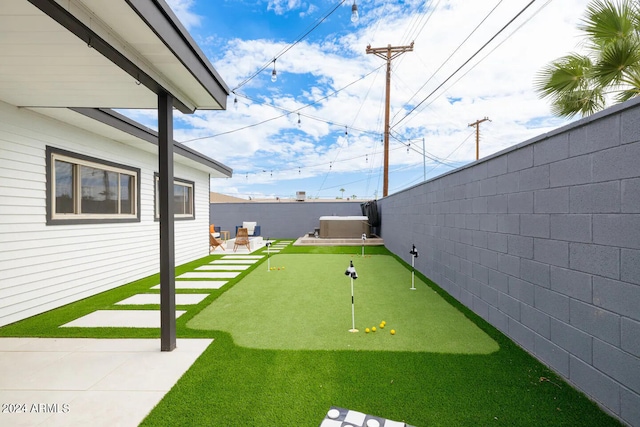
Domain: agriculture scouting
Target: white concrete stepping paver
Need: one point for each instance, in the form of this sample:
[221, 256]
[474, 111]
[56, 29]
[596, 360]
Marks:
[96, 382]
[209, 275]
[197, 284]
[222, 267]
[181, 299]
[120, 319]
[234, 261]
[242, 257]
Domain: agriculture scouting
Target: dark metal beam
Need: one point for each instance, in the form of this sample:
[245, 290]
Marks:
[125, 124]
[167, 246]
[161, 19]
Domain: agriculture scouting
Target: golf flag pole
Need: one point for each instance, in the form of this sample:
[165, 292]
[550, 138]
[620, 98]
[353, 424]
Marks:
[268, 245]
[414, 255]
[351, 272]
[364, 237]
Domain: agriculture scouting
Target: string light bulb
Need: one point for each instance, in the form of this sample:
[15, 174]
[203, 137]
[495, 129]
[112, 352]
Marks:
[235, 103]
[354, 12]
[274, 75]
[299, 120]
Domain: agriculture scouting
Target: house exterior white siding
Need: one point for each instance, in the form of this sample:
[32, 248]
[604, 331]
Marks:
[46, 266]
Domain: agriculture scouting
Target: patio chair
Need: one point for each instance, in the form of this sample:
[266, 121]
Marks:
[252, 228]
[214, 242]
[242, 239]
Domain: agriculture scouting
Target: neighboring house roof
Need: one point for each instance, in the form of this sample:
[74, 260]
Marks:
[62, 54]
[223, 198]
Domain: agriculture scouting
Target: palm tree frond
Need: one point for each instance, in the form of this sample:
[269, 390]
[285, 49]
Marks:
[615, 59]
[631, 81]
[565, 74]
[606, 21]
[583, 102]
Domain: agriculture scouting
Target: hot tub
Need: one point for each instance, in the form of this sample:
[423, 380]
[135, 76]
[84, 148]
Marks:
[344, 226]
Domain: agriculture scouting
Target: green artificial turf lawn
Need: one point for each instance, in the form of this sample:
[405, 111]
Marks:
[304, 303]
[231, 385]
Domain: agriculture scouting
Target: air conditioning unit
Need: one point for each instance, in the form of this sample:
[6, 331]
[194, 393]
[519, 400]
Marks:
[301, 196]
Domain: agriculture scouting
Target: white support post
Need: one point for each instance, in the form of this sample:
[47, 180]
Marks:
[351, 272]
[268, 245]
[353, 311]
[414, 255]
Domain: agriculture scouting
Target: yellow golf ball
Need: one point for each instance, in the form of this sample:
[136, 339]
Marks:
[393, 332]
[367, 330]
[373, 329]
[381, 325]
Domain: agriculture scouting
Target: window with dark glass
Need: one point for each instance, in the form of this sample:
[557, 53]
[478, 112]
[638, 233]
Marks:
[183, 202]
[86, 188]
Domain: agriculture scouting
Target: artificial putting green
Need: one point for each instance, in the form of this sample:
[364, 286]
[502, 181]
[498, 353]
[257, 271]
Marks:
[306, 305]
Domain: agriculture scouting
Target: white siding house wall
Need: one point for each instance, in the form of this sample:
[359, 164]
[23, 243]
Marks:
[45, 266]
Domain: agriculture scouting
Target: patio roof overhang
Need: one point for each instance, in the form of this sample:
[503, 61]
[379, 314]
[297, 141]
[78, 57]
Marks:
[108, 54]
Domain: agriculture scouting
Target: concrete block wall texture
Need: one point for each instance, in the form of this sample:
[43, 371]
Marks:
[542, 240]
[286, 220]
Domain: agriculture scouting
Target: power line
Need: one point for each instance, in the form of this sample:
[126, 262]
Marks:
[451, 55]
[465, 63]
[287, 112]
[491, 51]
[285, 50]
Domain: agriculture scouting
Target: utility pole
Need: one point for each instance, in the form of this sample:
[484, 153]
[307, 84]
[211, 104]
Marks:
[477, 125]
[388, 53]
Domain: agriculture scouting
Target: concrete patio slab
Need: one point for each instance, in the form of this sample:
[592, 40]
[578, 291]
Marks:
[222, 267]
[97, 382]
[209, 275]
[181, 299]
[197, 284]
[120, 319]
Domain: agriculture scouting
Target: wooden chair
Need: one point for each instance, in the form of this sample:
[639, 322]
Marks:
[213, 240]
[242, 239]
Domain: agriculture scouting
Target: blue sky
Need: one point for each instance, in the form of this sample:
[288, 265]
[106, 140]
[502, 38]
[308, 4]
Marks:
[337, 91]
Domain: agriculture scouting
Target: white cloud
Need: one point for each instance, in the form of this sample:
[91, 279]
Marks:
[497, 83]
[182, 9]
[282, 6]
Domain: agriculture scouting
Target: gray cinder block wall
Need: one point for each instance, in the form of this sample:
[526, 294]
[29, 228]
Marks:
[542, 240]
[285, 220]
